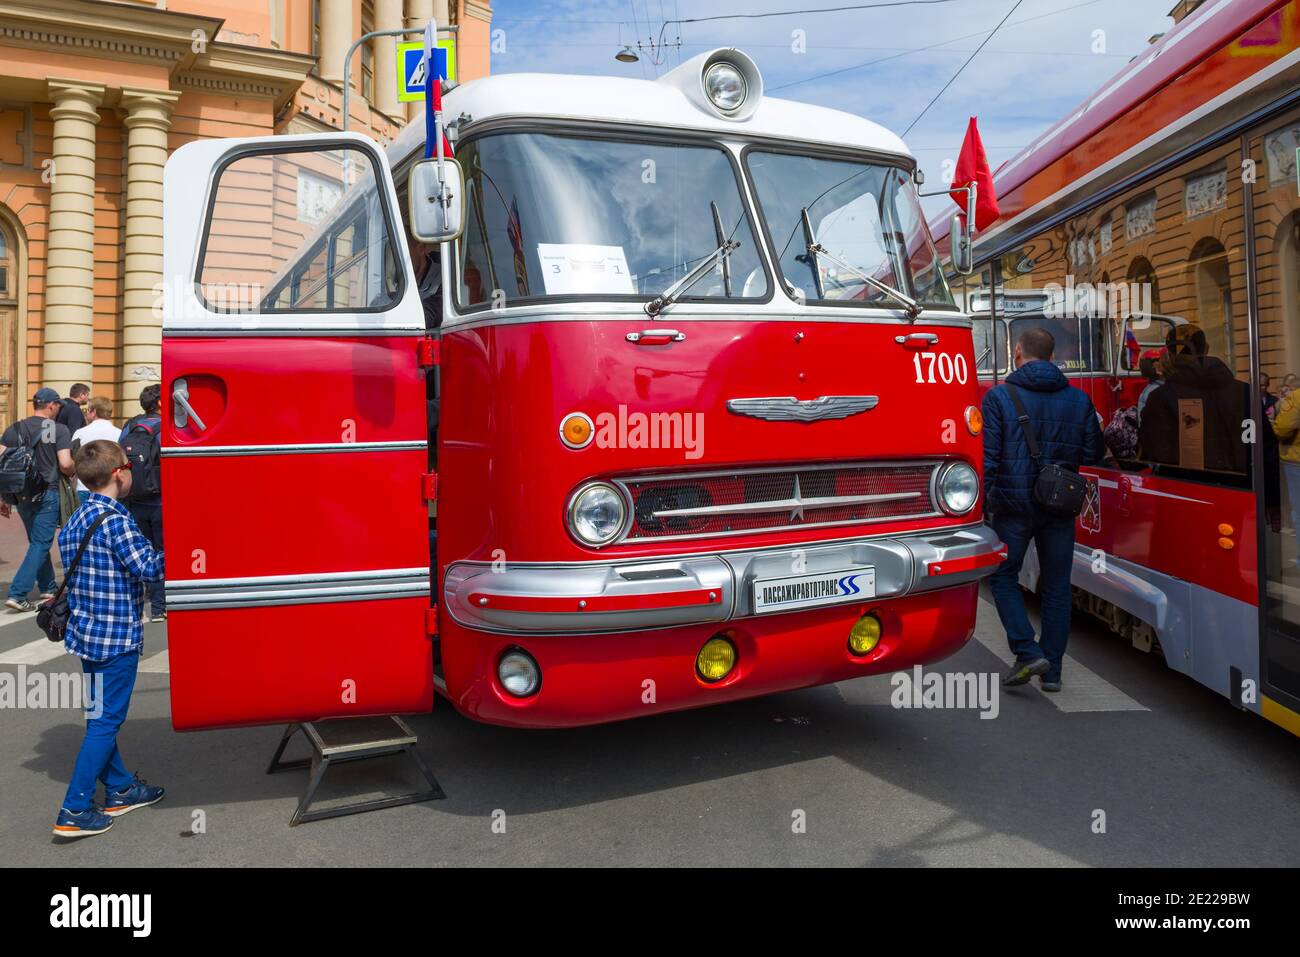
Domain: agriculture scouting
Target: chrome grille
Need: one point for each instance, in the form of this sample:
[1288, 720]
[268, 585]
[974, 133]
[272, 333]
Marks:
[733, 502]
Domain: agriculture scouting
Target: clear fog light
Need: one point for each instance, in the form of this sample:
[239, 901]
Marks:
[716, 659]
[519, 674]
[725, 86]
[959, 488]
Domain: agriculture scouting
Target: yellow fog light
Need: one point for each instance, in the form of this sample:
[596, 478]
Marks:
[864, 635]
[716, 659]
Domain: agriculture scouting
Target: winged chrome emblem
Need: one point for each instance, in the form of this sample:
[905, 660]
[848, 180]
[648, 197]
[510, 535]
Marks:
[789, 409]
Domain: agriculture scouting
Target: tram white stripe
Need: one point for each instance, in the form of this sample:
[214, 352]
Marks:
[1081, 689]
[37, 652]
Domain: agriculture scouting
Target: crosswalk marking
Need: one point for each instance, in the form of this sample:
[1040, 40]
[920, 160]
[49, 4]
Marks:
[11, 618]
[156, 664]
[36, 652]
[1081, 689]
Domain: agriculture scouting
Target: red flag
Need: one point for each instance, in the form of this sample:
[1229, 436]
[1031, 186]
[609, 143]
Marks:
[973, 167]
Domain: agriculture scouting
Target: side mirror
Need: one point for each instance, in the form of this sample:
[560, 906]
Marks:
[436, 203]
[963, 250]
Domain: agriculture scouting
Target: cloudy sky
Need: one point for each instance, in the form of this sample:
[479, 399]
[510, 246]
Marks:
[885, 64]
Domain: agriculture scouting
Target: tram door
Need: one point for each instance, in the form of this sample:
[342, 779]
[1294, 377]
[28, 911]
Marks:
[1276, 198]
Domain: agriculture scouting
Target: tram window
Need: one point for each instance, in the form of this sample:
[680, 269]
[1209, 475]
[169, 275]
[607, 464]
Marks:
[1179, 243]
[303, 230]
[988, 348]
[569, 216]
[1069, 355]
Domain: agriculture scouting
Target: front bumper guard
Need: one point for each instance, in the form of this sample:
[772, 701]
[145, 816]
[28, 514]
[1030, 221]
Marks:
[634, 595]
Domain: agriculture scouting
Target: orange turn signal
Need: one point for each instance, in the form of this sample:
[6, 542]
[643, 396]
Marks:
[974, 420]
[576, 430]
[1227, 544]
[1225, 529]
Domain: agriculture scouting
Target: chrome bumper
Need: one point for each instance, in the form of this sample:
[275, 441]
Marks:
[632, 595]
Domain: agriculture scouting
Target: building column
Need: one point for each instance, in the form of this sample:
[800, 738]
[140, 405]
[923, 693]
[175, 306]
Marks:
[147, 120]
[335, 38]
[70, 250]
[388, 16]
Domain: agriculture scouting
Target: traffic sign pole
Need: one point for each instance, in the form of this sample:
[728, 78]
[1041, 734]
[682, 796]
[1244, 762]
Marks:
[347, 60]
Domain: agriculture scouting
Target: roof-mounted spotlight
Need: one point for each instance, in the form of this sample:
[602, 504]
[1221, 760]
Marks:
[725, 82]
[626, 55]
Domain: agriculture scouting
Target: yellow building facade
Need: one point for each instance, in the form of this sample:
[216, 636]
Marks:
[94, 96]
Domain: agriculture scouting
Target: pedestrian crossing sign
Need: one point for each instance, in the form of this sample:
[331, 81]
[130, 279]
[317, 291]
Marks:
[410, 67]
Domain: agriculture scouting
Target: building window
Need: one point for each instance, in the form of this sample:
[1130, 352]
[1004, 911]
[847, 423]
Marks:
[315, 29]
[368, 52]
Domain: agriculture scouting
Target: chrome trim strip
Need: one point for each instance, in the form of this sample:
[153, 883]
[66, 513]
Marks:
[784, 505]
[305, 448]
[267, 590]
[286, 332]
[627, 538]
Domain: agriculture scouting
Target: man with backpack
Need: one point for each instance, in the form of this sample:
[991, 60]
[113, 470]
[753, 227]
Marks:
[141, 439]
[33, 451]
[1038, 430]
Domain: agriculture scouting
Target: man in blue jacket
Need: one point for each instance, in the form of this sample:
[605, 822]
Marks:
[1065, 425]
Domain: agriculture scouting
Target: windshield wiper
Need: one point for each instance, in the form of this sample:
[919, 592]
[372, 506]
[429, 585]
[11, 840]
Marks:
[815, 249]
[670, 295]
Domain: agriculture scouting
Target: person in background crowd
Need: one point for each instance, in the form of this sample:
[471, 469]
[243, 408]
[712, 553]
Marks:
[1193, 421]
[1150, 366]
[104, 606]
[1065, 427]
[99, 425]
[145, 506]
[51, 443]
[1268, 399]
[1286, 426]
[71, 414]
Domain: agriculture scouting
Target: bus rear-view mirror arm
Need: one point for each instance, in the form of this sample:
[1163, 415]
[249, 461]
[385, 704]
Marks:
[961, 238]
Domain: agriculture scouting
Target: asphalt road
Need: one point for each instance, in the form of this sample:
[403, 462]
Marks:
[1181, 777]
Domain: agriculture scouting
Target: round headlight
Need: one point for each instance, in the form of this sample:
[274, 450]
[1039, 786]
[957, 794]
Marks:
[518, 673]
[596, 514]
[725, 86]
[959, 488]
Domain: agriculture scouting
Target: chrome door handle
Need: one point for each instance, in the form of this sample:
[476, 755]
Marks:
[182, 411]
[654, 337]
[926, 337]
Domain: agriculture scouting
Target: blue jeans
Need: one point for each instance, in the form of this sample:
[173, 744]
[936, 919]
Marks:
[1053, 537]
[40, 520]
[149, 520]
[99, 759]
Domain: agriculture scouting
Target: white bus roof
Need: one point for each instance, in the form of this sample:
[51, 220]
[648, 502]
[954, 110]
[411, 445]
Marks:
[663, 103]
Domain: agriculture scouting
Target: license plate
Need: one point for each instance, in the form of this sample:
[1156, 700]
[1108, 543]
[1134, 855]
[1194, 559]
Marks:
[808, 591]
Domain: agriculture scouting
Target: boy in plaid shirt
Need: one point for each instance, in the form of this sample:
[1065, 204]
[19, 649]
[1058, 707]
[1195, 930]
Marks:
[105, 630]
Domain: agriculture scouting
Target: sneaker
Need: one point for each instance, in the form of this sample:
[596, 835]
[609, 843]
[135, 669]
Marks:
[45, 596]
[86, 823]
[139, 794]
[19, 604]
[157, 616]
[1022, 671]
[1049, 686]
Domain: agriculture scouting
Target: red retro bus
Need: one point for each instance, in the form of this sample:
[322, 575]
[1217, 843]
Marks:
[1177, 184]
[678, 409]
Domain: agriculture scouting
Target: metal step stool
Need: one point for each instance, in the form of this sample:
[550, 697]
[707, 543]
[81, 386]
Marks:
[351, 739]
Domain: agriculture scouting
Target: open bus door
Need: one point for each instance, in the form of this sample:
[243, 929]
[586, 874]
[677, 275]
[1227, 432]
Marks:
[294, 436]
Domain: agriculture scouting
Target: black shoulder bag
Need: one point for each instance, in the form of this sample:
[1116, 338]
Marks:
[1057, 489]
[52, 617]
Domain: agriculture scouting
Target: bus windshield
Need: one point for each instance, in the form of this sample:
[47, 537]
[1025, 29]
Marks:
[866, 214]
[553, 215]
